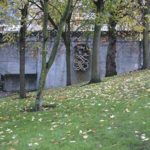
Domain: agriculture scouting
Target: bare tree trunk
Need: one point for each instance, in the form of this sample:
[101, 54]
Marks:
[22, 42]
[95, 70]
[146, 51]
[95, 74]
[67, 41]
[146, 48]
[111, 51]
[68, 51]
[59, 33]
[47, 66]
[39, 98]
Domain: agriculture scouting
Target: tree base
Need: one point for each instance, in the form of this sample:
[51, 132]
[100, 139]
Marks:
[42, 108]
[94, 81]
[68, 84]
[111, 74]
[23, 96]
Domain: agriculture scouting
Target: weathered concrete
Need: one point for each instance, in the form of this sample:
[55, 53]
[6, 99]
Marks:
[12, 82]
[9, 60]
[128, 59]
[128, 56]
[9, 67]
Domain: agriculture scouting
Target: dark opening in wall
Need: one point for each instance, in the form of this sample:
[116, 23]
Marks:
[12, 82]
[1, 82]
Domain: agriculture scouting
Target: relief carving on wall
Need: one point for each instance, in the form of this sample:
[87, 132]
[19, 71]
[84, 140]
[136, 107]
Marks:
[81, 57]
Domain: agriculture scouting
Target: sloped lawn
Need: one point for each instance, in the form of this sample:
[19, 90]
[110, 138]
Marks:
[111, 115]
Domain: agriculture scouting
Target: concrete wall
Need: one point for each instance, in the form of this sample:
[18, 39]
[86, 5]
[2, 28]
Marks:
[128, 56]
[12, 82]
[9, 67]
[9, 60]
[128, 53]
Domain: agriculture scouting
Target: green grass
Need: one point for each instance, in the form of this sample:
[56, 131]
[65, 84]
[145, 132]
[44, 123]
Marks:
[111, 115]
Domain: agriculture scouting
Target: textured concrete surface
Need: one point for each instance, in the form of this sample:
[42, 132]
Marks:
[128, 59]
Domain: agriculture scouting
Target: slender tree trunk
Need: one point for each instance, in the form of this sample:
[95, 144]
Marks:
[22, 42]
[67, 41]
[146, 48]
[47, 66]
[95, 74]
[68, 51]
[146, 51]
[39, 98]
[111, 51]
[59, 33]
[95, 68]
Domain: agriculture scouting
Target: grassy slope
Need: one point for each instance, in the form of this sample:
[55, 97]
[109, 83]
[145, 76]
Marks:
[112, 115]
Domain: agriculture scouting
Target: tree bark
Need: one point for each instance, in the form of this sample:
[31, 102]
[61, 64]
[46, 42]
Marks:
[22, 42]
[146, 48]
[68, 51]
[39, 97]
[95, 74]
[67, 41]
[59, 33]
[47, 66]
[111, 51]
[95, 68]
